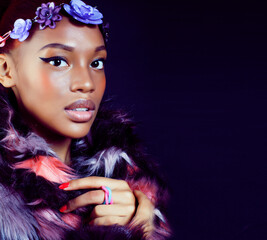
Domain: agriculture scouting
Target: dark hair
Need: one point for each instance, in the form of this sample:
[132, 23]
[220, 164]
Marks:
[11, 10]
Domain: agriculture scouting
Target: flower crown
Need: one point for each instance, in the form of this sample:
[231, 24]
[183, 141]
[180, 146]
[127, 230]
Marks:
[48, 14]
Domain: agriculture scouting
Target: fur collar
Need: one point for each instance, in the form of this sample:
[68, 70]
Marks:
[28, 190]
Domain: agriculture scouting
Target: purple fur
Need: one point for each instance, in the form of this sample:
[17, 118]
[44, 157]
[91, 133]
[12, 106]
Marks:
[13, 214]
[52, 227]
[19, 145]
[114, 232]
[107, 160]
[109, 150]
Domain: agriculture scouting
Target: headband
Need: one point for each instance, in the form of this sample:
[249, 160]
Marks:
[48, 14]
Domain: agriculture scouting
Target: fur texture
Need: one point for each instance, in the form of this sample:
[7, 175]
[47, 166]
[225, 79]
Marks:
[13, 215]
[30, 175]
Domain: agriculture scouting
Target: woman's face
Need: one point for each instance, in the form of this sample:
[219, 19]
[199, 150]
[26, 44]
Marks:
[59, 78]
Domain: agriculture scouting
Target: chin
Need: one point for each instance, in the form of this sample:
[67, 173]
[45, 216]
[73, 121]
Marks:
[77, 136]
[77, 132]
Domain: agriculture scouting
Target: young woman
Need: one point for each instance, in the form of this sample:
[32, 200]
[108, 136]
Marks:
[70, 168]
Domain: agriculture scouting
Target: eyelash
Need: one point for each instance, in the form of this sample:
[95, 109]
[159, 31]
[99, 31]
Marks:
[48, 60]
[102, 60]
[97, 61]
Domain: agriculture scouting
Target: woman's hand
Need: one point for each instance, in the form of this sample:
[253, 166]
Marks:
[144, 214]
[120, 212]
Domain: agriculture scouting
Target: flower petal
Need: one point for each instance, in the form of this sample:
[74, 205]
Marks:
[28, 24]
[79, 3]
[40, 21]
[44, 5]
[48, 22]
[13, 35]
[83, 13]
[24, 36]
[52, 25]
[67, 8]
[38, 11]
[56, 10]
[96, 16]
[77, 10]
[42, 26]
[44, 12]
[19, 21]
[52, 5]
[56, 18]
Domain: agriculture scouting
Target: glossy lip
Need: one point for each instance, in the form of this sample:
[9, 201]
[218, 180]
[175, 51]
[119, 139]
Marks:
[80, 116]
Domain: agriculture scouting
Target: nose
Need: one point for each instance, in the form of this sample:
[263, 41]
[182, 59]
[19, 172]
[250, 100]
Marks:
[82, 81]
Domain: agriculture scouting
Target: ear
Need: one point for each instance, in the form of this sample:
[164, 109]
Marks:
[5, 72]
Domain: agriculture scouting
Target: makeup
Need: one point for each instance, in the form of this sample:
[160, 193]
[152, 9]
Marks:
[81, 110]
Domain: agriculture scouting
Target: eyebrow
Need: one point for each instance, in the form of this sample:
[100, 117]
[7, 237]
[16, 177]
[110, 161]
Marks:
[57, 45]
[100, 48]
[68, 48]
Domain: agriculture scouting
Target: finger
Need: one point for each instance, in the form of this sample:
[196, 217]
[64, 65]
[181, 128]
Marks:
[144, 214]
[145, 206]
[91, 197]
[94, 182]
[109, 220]
[145, 209]
[113, 210]
[97, 197]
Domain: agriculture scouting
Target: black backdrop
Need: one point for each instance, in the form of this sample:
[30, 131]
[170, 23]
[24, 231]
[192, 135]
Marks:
[193, 74]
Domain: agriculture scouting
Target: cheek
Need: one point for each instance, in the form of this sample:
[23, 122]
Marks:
[101, 87]
[41, 88]
[45, 82]
[51, 84]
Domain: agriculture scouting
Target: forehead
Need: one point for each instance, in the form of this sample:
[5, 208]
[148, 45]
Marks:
[83, 37]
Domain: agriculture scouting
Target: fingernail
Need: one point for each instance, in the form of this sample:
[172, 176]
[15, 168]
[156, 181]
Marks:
[63, 209]
[64, 185]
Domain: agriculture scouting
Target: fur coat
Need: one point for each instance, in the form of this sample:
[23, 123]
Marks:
[30, 174]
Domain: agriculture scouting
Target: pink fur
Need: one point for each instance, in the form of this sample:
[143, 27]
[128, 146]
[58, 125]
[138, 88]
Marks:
[48, 167]
[72, 220]
[55, 171]
[145, 186]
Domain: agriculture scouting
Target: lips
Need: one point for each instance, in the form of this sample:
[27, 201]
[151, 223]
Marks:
[81, 110]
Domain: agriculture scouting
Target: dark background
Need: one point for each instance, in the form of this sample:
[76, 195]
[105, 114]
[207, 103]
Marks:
[193, 74]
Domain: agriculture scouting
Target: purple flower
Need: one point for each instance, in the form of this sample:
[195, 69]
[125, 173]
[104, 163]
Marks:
[83, 13]
[47, 15]
[21, 29]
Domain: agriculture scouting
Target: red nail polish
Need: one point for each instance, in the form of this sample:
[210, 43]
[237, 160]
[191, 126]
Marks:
[63, 209]
[64, 185]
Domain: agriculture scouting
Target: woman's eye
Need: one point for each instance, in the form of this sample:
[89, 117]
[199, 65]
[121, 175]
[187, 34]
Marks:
[98, 64]
[56, 61]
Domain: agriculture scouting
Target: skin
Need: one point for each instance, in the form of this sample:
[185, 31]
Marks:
[44, 89]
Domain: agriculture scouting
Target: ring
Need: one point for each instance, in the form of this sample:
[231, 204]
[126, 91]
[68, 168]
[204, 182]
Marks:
[108, 195]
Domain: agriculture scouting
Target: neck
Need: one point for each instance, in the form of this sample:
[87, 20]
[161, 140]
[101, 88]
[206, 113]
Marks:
[62, 149]
[59, 144]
